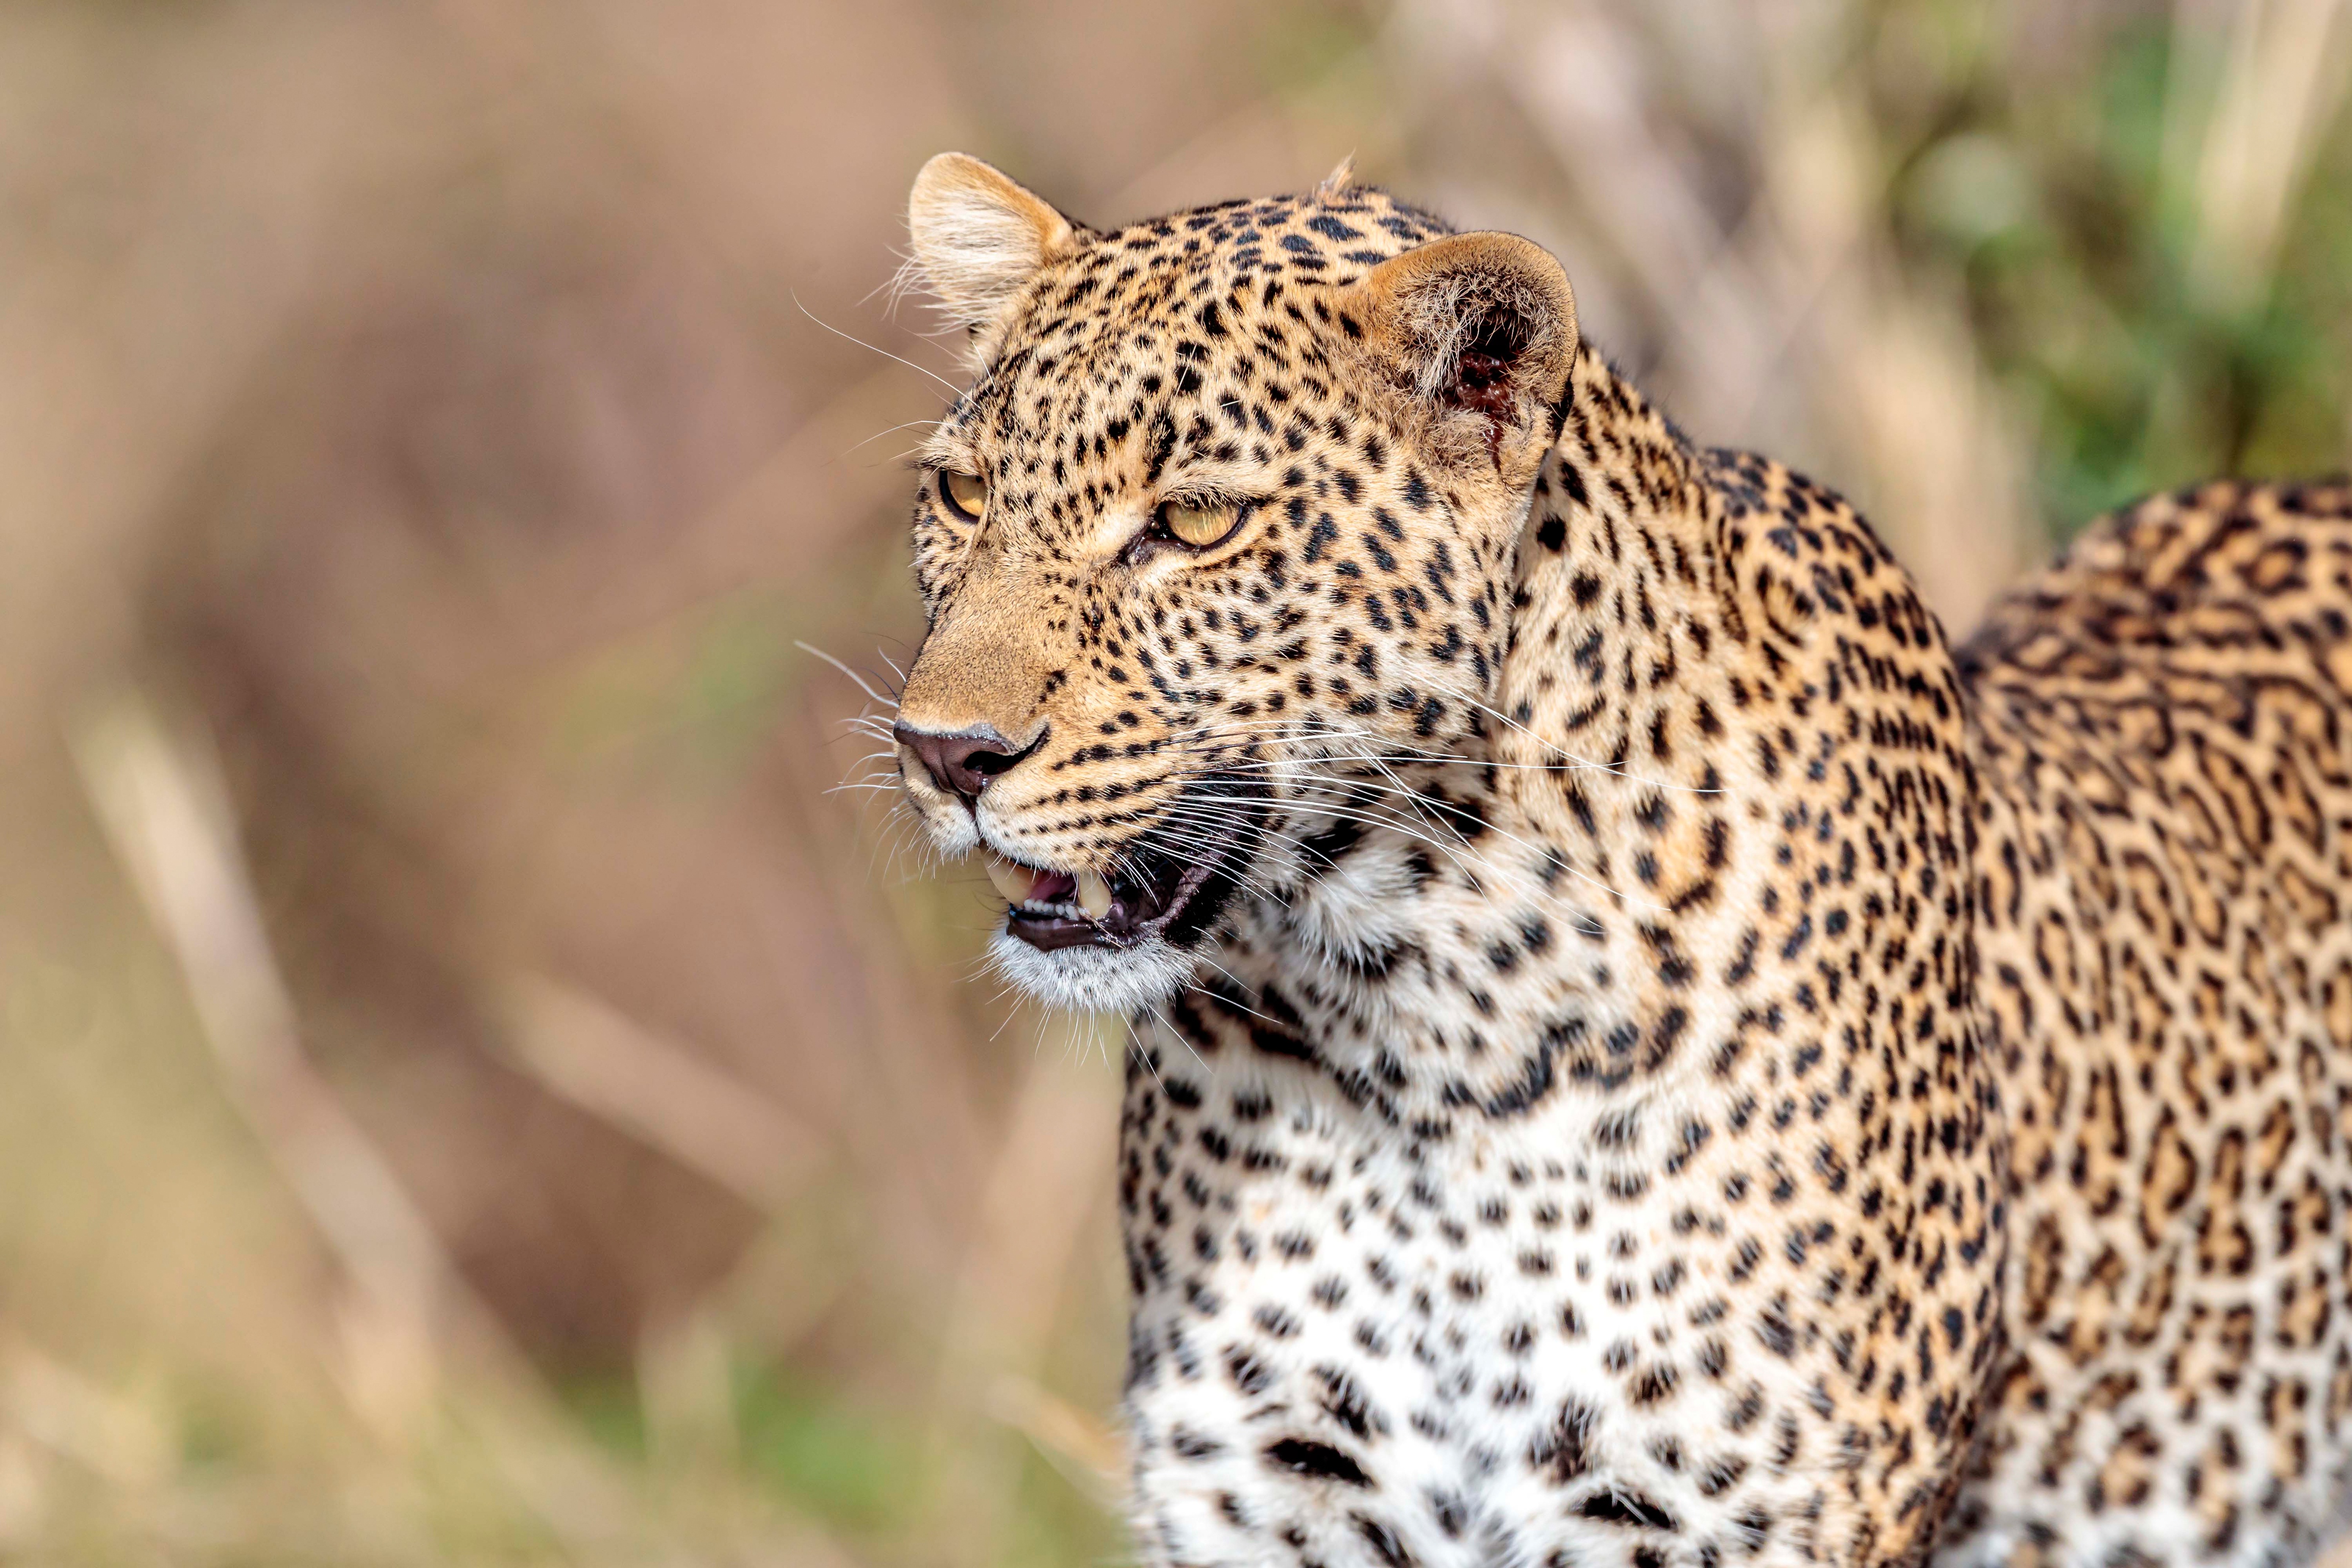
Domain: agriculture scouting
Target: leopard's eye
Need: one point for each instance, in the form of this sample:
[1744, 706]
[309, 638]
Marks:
[1197, 526]
[966, 495]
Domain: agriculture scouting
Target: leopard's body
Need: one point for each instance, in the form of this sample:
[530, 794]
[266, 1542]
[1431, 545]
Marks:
[2162, 725]
[1669, 1065]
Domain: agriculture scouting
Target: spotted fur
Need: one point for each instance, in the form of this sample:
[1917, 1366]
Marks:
[1673, 1065]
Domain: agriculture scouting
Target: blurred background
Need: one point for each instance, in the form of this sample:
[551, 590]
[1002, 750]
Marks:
[472, 1090]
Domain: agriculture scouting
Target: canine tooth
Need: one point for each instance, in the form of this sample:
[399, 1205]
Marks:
[1093, 894]
[1015, 880]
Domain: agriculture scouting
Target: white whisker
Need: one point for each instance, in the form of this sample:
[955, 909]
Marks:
[953, 390]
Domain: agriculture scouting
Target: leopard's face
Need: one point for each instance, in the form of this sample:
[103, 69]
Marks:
[1233, 498]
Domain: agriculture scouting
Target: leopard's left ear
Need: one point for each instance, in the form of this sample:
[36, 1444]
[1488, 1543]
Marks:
[979, 237]
[1480, 324]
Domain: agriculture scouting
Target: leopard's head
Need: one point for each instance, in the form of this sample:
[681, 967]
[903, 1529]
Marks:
[1234, 497]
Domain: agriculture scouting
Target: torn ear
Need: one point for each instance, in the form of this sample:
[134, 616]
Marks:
[1483, 325]
[979, 237]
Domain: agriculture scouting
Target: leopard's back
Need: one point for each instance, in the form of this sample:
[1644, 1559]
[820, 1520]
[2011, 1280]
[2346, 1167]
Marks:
[2163, 728]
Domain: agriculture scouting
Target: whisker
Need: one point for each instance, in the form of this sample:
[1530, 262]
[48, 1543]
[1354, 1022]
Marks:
[1135, 1042]
[890, 701]
[952, 389]
[906, 425]
[1490, 867]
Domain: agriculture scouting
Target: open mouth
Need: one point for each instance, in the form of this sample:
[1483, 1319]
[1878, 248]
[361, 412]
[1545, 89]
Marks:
[1158, 891]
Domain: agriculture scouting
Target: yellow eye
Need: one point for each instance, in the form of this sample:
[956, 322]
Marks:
[966, 495]
[1198, 526]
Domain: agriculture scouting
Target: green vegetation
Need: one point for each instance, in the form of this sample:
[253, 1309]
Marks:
[2144, 352]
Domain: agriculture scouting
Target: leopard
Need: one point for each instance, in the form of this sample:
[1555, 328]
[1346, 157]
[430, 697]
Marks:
[1639, 1049]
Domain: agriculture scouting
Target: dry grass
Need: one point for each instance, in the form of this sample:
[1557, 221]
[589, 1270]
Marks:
[472, 1093]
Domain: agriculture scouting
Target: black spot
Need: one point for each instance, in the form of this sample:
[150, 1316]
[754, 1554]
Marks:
[1189, 1445]
[1162, 441]
[1560, 1451]
[1384, 1542]
[1319, 1461]
[1344, 1402]
[1626, 1508]
[1779, 1336]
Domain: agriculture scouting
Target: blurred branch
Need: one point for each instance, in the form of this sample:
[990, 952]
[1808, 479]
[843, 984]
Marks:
[1083, 1447]
[1580, 81]
[167, 816]
[2283, 83]
[1050, 1170]
[67, 1414]
[165, 810]
[686, 1388]
[588, 1052]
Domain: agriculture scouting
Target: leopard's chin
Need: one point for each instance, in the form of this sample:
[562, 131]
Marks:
[1088, 978]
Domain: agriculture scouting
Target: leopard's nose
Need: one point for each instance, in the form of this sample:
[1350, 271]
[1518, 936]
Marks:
[963, 762]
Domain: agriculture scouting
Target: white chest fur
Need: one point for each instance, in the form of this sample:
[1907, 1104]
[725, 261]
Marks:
[1378, 1319]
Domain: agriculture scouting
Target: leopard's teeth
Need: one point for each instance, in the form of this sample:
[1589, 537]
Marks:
[1093, 894]
[1012, 879]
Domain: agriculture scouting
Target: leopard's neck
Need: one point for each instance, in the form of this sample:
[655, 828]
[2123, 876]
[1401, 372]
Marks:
[1482, 930]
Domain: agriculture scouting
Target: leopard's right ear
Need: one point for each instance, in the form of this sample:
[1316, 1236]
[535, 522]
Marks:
[979, 237]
